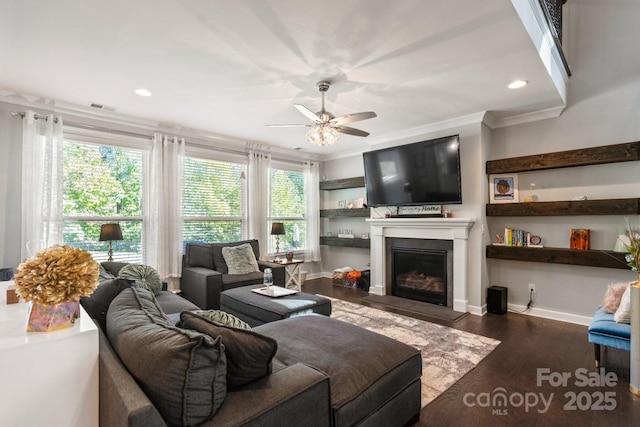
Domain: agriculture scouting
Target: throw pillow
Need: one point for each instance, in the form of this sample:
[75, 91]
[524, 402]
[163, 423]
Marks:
[240, 259]
[223, 318]
[623, 313]
[104, 274]
[97, 304]
[199, 255]
[144, 276]
[612, 297]
[249, 354]
[183, 372]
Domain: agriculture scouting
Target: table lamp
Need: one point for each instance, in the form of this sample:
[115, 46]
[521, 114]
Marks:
[277, 229]
[110, 232]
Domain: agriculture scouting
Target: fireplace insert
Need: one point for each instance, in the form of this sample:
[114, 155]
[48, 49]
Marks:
[419, 274]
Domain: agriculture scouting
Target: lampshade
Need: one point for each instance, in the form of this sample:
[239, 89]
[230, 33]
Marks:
[110, 232]
[277, 228]
[322, 135]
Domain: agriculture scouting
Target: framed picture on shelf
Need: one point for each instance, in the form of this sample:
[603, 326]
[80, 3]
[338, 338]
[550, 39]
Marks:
[360, 202]
[503, 188]
[342, 204]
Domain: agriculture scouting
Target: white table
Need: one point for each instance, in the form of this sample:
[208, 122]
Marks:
[47, 378]
[293, 273]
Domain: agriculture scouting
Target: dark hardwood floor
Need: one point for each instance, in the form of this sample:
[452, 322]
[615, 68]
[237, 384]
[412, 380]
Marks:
[529, 345]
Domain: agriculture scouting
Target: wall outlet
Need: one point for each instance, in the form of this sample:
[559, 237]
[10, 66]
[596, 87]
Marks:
[532, 287]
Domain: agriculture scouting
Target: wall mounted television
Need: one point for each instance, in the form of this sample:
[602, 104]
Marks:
[421, 173]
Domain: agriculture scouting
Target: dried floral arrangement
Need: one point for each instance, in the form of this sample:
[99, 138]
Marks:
[57, 274]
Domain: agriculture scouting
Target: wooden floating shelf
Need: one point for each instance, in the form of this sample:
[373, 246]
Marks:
[591, 258]
[567, 208]
[617, 153]
[345, 213]
[341, 184]
[345, 242]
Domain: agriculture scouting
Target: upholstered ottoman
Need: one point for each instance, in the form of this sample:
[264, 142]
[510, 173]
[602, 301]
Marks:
[256, 309]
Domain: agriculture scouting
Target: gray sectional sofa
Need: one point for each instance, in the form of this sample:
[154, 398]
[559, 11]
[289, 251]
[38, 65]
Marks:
[205, 273]
[321, 371]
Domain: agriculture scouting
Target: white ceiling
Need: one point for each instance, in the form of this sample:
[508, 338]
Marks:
[231, 67]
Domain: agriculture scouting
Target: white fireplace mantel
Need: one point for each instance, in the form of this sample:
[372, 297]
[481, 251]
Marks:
[455, 229]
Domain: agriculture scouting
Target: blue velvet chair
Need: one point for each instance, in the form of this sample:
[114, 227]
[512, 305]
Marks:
[605, 331]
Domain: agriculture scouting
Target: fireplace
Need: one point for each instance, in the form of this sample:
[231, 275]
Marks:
[419, 274]
[452, 230]
[420, 269]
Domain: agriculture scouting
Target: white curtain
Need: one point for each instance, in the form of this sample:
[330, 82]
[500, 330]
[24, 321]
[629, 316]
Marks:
[312, 195]
[164, 217]
[42, 182]
[258, 184]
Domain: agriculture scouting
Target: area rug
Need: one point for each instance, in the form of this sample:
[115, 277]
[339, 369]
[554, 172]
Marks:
[447, 354]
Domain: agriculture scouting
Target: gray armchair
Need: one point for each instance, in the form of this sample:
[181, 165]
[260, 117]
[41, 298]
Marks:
[205, 274]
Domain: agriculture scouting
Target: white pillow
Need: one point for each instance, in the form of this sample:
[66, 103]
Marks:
[623, 313]
[240, 259]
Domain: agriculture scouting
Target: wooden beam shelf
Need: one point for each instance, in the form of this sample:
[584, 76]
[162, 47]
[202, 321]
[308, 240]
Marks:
[591, 258]
[567, 208]
[341, 184]
[345, 213]
[626, 152]
[345, 242]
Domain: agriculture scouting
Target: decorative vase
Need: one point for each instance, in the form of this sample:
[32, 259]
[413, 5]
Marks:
[289, 256]
[52, 317]
[634, 372]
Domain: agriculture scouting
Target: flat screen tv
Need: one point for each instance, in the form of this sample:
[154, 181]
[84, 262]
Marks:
[421, 173]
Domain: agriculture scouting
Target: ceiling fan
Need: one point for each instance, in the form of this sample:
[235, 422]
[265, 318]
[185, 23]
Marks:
[325, 127]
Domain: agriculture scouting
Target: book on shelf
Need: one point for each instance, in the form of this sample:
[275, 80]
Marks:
[517, 238]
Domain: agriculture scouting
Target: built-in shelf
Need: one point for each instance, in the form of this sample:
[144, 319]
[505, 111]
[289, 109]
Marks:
[591, 258]
[345, 242]
[617, 153]
[341, 184]
[345, 213]
[579, 207]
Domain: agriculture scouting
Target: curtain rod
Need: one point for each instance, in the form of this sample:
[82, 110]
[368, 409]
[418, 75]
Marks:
[35, 116]
[140, 135]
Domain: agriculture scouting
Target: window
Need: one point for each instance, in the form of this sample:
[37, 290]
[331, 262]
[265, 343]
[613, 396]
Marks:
[213, 201]
[287, 205]
[102, 184]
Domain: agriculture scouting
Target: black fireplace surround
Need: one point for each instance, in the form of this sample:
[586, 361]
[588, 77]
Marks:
[420, 269]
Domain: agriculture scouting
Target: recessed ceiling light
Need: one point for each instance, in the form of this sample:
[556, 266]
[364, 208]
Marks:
[143, 92]
[518, 84]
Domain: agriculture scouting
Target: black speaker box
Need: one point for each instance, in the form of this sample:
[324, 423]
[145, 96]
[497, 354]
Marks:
[497, 299]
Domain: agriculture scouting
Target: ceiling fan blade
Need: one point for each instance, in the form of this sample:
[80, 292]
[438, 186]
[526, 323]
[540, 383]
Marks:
[351, 131]
[289, 126]
[308, 113]
[355, 117]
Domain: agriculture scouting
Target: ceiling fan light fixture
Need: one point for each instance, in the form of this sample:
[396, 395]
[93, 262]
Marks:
[322, 135]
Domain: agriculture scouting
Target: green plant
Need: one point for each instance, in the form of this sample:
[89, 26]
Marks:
[633, 257]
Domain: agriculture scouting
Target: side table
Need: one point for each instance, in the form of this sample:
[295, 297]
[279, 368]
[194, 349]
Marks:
[293, 273]
[55, 371]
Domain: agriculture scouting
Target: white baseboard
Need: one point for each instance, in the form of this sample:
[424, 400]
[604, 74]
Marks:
[552, 315]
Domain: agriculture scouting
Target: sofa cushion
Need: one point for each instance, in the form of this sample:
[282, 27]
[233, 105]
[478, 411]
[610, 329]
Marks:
[218, 258]
[240, 259]
[199, 255]
[366, 369]
[144, 276]
[249, 354]
[97, 304]
[183, 372]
